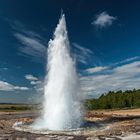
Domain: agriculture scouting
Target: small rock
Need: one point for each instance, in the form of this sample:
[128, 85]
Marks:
[21, 139]
[53, 136]
[119, 133]
[2, 138]
[70, 137]
[109, 138]
[137, 127]
[92, 138]
[138, 133]
[43, 138]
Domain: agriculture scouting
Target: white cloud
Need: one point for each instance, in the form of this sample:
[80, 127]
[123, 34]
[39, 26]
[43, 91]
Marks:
[32, 47]
[20, 88]
[5, 86]
[31, 77]
[102, 68]
[96, 69]
[127, 60]
[103, 20]
[124, 77]
[81, 53]
[35, 82]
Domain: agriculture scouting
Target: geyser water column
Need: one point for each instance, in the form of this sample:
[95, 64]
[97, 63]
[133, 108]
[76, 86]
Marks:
[62, 109]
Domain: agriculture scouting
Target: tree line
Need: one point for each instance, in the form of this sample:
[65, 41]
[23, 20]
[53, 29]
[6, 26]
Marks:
[112, 100]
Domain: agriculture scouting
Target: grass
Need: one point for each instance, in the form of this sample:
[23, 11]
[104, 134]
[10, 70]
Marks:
[16, 107]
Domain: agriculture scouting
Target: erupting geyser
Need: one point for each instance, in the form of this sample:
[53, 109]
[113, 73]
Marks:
[61, 105]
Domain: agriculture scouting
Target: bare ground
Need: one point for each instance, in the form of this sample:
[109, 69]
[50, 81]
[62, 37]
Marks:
[107, 124]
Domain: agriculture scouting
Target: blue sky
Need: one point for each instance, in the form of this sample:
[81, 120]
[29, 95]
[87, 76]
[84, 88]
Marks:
[104, 37]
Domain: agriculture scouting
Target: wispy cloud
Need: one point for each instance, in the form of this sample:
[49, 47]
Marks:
[81, 53]
[103, 20]
[127, 60]
[103, 68]
[123, 77]
[5, 86]
[4, 68]
[32, 47]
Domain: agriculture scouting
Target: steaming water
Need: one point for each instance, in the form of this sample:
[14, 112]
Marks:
[61, 94]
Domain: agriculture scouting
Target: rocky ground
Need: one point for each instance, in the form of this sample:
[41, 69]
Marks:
[105, 125]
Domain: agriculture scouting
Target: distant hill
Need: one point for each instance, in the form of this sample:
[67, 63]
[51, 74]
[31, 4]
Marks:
[113, 100]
